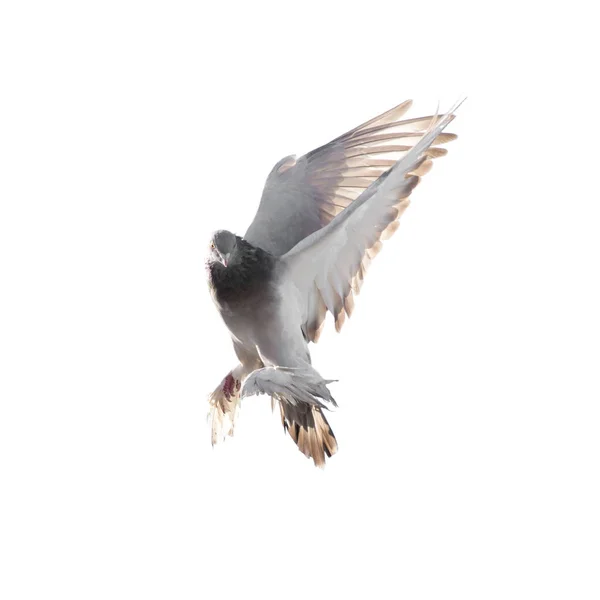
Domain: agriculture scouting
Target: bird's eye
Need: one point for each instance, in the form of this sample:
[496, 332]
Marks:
[212, 245]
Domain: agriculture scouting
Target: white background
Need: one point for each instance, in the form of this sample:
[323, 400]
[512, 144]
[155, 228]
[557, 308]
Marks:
[468, 376]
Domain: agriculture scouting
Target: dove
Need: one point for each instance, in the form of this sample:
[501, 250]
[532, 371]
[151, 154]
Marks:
[321, 220]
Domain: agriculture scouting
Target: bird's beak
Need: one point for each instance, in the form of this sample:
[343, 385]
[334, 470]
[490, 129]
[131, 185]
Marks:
[225, 259]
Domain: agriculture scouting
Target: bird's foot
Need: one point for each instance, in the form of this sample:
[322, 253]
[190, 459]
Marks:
[224, 405]
[231, 386]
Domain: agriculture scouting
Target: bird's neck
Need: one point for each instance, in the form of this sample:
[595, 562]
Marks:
[248, 273]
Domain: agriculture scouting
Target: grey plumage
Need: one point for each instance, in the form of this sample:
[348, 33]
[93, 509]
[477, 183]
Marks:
[248, 271]
[320, 222]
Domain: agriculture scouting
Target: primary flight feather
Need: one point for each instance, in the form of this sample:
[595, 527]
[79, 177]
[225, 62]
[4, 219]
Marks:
[320, 222]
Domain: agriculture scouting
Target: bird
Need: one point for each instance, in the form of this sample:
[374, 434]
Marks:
[321, 220]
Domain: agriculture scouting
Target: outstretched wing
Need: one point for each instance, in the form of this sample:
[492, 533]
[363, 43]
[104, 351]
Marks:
[328, 267]
[303, 195]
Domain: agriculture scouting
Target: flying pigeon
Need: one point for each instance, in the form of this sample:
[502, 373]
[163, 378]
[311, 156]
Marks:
[321, 220]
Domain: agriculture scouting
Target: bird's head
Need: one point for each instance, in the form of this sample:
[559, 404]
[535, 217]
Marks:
[222, 247]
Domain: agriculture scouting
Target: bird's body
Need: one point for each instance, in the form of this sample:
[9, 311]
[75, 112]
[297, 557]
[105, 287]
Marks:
[321, 220]
[260, 307]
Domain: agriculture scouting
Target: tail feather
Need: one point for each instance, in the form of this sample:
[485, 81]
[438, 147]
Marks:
[310, 430]
[302, 395]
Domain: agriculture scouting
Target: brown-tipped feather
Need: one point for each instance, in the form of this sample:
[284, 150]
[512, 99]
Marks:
[377, 150]
[444, 138]
[423, 168]
[370, 162]
[436, 152]
[374, 250]
[387, 233]
[349, 304]
[362, 160]
[310, 430]
[340, 320]
[368, 172]
[387, 117]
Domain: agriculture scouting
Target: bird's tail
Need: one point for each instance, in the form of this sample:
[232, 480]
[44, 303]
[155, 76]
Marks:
[309, 429]
[302, 395]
